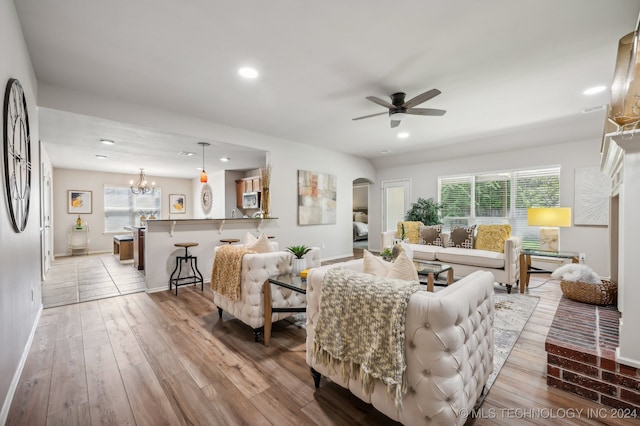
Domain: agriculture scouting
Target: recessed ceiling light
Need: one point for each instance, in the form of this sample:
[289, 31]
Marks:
[386, 151]
[248, 72]
[107, 141]
[594, 90]
[187, 153]
[101, 157]
[403, 135]
[225, 159]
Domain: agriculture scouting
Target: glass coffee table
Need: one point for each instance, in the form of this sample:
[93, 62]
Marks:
[432, 270]
[290, 281]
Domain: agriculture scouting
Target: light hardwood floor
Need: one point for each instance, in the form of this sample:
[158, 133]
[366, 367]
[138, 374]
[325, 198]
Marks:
[161, 359]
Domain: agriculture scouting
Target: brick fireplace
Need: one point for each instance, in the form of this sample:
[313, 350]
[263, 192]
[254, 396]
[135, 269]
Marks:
[581, 348]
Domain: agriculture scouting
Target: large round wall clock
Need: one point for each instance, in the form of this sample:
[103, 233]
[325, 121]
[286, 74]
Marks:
[206, 198]
[17, 154]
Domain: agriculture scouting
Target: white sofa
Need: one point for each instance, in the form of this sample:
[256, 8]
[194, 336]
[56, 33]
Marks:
[448, 348]
[504, 266]
[256, 269]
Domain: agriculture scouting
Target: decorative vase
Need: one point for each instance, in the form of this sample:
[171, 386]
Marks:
[266, 202]
[298, 265]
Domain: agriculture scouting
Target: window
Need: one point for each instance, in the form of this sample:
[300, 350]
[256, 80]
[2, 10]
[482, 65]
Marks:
[124, 208]
[499, 197]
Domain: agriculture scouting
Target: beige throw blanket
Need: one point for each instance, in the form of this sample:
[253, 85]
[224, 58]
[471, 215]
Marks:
[227, 269]
[360, 329]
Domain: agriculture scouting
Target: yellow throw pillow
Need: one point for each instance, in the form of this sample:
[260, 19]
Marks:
[411, 231]
[492, 237]
[402, 268]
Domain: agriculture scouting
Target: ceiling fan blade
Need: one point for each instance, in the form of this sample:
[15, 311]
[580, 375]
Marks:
[426, 111]
[381, 102]
[372, 115]
[395, 123]
[421, 98]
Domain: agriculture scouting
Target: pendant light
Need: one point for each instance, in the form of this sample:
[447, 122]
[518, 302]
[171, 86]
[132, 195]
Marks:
[203, 175]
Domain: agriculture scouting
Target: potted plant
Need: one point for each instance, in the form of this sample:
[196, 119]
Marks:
[425, 211]
[299, 262]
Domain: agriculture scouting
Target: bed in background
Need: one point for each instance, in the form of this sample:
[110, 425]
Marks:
[360, 224]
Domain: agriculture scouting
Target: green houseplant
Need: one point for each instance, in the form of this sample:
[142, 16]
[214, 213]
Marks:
[299, 263]
[299, 251]
[425, 211]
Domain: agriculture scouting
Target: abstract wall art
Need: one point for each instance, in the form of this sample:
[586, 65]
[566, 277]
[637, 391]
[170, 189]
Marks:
[592, 192]
[316, 198]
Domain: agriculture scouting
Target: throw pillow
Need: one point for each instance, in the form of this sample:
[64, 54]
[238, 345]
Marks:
[249, 239]
[360, 217]
[431, 235]
[402, 268]
[411, 230]
[461, 236]
[492, 237]
[261, 245]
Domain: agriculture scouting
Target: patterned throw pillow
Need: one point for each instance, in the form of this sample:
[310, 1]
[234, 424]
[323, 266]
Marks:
[492, 237]
[402, 268]
[411, 230]
[431, 235]
[461, 236]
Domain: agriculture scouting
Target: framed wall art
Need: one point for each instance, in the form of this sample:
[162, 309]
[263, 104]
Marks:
[317, 196]
[79, 201]
[592, 192]
[177, 203]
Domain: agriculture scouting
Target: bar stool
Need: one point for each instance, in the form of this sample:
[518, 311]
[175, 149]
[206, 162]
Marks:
[191, 261]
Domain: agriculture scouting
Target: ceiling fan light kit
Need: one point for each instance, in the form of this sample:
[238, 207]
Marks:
[399, 109]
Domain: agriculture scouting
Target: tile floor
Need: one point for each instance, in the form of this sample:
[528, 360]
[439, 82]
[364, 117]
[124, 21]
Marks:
[76, 279]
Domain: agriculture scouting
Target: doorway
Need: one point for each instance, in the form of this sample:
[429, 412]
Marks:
[396, 196]
[360, 216]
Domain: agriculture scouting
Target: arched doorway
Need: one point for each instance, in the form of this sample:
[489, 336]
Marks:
[360, 215]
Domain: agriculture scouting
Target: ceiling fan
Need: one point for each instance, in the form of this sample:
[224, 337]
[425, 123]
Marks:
[398, 108]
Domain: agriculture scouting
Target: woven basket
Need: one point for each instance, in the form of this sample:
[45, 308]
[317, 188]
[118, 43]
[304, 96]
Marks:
[604, 293]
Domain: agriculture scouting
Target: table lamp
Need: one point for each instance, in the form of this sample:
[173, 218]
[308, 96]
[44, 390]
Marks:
[549, 219]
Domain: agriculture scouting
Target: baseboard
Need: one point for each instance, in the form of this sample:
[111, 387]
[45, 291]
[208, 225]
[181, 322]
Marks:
[325, 259]
[16, 377]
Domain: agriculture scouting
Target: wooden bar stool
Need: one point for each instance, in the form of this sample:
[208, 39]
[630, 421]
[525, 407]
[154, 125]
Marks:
[192, 262]
[229, 240]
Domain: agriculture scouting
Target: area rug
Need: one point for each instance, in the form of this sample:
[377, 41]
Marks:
[512, 313]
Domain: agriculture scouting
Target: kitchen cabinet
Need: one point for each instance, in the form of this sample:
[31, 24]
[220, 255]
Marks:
[248, 184]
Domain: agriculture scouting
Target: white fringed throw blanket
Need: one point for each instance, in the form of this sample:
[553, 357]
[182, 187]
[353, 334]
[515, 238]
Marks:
[360, 329]
[227, 269]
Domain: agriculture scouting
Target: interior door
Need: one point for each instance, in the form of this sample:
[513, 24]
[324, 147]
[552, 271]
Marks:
[396, 196]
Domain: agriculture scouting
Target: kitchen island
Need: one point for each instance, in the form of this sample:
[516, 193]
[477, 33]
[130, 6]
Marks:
[161, 235]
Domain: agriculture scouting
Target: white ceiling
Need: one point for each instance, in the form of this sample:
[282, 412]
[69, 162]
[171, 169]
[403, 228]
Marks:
[502, 65]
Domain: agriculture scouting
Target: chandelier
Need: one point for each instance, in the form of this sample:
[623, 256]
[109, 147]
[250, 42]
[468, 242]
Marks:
[142, 186]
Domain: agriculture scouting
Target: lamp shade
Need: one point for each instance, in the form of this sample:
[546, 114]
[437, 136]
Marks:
[549, 216]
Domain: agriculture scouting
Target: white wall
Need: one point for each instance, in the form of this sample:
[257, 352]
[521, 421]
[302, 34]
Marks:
[66, 179]
[591, 240]
[286, 158]
[20, 295]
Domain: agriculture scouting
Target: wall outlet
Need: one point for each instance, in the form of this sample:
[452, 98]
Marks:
[323, 245]
[582, 257]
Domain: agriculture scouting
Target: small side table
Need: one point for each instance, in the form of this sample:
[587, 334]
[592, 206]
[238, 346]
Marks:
[525, 263]
[290, 281]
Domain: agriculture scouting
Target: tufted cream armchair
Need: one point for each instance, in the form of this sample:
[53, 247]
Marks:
[256, 268]
[448, 348]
